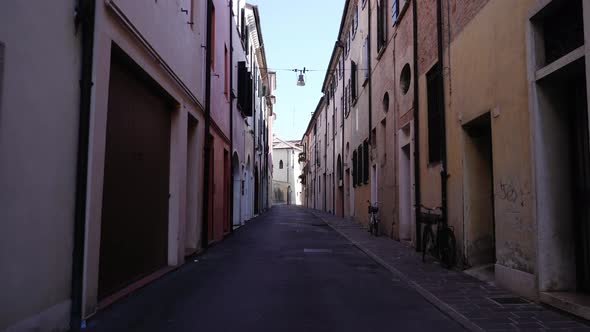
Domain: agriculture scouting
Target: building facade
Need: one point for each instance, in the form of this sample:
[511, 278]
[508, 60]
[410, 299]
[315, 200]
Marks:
[286, 181]
[420, 111]
[135, 133]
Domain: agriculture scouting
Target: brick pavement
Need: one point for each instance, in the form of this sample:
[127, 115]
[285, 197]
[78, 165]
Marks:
[459, 295]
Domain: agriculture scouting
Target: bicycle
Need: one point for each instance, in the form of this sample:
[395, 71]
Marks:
[373, 220]
[443, 245]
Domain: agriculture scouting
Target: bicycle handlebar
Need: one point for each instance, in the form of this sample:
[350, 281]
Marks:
[437, 208]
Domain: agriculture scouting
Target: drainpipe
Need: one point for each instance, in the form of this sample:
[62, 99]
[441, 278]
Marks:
[370, 77]
[326, 162]
[417, 194]
[85, 14]
[253, 107]
[342, 160]
[231, 116]
[443, 173]
[207, 148]
[334, 171]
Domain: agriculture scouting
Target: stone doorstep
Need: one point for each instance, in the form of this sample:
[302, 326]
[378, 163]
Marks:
[575, 303]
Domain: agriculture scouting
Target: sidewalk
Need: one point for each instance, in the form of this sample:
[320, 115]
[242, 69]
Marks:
[460, 296]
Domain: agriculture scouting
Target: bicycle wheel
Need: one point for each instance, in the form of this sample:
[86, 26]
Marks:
[447, 245]
[427, 242]
[376, 227]
[371, 224]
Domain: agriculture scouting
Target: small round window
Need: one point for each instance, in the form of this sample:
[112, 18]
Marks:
[405, 79]
[386, 102]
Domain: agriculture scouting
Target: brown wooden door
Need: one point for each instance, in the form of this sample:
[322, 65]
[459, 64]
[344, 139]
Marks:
[134, 229]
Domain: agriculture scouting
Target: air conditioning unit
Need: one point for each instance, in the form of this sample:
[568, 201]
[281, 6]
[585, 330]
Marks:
[340, 183]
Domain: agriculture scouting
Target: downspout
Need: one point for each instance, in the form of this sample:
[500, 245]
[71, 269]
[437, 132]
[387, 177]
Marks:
[343, 128]
[334, 171]
[231, 116]
[443, 173]
[253, 107]
[417, 193]
[326, 163]
[85, 15]
[370, 77]
[207, 148]
[315, 182]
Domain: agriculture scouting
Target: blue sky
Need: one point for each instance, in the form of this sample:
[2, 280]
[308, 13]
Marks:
[298, 34]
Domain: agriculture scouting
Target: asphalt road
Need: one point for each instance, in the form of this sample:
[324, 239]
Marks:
[284, 271]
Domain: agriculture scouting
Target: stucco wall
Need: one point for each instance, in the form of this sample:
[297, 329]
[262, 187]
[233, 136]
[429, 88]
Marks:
[112, 28]
[38, 142]
[499, 68]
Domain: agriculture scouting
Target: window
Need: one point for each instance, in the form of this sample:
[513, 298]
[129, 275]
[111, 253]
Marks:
[347, 50]
[244, 89]
[355, 22]
[346, 94]
[394, 11]
[242, 23]
[366, 68]
[354, 168]
[405, 79]
[385, 102]
[281, 164]
[434, 89]
[353, 78]
[193, 14]
[225, 72]
[366, 161]
[364, 3]
[212, 35]
[359, 166]
[381, 24]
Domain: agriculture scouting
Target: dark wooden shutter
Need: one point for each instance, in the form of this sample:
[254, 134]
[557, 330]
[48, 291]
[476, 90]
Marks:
[366, 161]
[354, 168]
[242, 88]
[353, 83]
[243, 23]
[359, 161]
[434, 89]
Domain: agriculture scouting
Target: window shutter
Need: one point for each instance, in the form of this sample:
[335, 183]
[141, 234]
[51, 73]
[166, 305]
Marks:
[366, 58]
[434, 90]
[354, 168]
[246, 40]
[359, 162]
[242, 85]
[243, 23]
[394, 11]
[366, 161]
[353, 73]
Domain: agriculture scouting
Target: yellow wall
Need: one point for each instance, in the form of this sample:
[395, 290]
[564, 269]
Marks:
[488, 74]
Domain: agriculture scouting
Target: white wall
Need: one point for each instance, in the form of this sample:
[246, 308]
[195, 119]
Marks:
[38, 142]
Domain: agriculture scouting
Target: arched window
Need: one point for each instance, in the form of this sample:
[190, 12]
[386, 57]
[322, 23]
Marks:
[281, 164]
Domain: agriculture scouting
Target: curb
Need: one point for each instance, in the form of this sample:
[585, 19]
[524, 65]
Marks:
[442, 306]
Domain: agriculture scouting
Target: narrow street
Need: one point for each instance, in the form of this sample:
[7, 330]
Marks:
[284, 271]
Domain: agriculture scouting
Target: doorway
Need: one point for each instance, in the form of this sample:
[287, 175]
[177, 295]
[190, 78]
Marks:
[347, 190]
[256, 191]
[192, 239]
[479, 193]
[405, 198]
[134, 224]
[237, 190]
